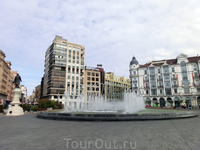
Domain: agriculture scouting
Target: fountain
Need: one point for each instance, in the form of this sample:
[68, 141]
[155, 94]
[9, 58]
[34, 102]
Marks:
[83, 103]
[97, 108]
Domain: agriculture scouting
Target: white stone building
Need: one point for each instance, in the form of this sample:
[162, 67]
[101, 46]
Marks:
[164, 80]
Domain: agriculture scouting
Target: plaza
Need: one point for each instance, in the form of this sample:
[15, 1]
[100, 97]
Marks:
[28, 132]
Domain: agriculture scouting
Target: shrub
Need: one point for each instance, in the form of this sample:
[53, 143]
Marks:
[5, 106]
[60, 106]
[26, 107]
[35, 108]
[42, 103]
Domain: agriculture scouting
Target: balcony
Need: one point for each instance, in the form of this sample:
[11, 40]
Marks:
[146, 87]
[160, 79]
[196, 76]
[160, 86]
[135, 87]
[146, 80]
[134, 81]
[197, 85]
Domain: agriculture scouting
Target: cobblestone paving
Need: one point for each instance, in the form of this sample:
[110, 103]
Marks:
[30, 133]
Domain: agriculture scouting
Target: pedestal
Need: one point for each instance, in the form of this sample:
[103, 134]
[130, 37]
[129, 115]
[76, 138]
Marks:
[15, 109]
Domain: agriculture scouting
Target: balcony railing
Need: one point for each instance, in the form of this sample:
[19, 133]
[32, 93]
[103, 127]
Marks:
[146, 87]
[146, 80]
[160, 86]
[160, 79]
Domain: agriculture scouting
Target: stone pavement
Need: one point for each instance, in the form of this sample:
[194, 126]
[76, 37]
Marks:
[30, 133]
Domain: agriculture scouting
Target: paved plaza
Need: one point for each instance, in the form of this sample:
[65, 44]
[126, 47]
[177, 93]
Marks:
[30, 133]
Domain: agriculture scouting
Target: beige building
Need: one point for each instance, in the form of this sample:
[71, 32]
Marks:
[64, 68]
[37, 92]
[115, 86]
[94, 80]
[5, 67]
[11, 87]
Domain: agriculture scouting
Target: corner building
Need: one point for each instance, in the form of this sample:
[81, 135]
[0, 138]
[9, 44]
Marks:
[64, 68]
[170, 79]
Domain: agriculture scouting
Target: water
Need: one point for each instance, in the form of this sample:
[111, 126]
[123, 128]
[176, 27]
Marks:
[83, 103]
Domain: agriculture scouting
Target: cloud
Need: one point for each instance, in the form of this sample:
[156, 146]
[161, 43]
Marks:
[111, 31]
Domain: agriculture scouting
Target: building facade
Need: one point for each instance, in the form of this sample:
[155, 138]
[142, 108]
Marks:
[5, 67]
[94, 78]
[37, 92]
[115, 86]
[166, 80]
[64, 68]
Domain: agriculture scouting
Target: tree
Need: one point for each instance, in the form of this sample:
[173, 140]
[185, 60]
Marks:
[42, 103]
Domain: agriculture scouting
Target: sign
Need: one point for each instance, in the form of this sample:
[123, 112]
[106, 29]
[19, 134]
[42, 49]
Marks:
[1, 102]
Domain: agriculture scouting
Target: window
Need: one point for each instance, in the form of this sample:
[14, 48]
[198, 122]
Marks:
[77, 62]
[186, 90]
[88, 83]
[153, 92]
[166, 77]
[152, 70]
[152, 77]
[97, 74]
[184, 72]
[167, 83]
[161, 91]
[68, 77]
[145, 71]
[88, 88]
[93, 74]
[195, 67]
[158, 70]
[168, 91]
[173, 70]
[69, 61]
[175, 83]
[166, 69]
[159, 78]
[97, 79]
[146, 85]
[197, 82]
[88, 78]
[175, 90]
[147, 91]
[92, 79]
[135, 85]
[134, 72]
[198, 89]
[153, 84]
[88, 73]
[160, 84]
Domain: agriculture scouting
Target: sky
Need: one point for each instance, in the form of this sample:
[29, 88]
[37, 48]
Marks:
[112, 31]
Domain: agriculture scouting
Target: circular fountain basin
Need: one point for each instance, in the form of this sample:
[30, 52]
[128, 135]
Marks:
[147, 114]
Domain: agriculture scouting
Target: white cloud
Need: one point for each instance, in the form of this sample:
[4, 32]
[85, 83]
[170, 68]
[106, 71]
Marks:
[112, 31]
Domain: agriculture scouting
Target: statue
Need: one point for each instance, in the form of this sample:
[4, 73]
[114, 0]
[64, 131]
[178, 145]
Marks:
[17, 81]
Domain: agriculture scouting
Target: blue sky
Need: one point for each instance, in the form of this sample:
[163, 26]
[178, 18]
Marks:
[112, 31]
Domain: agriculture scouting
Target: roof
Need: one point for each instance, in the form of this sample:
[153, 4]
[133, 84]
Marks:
[168, 61]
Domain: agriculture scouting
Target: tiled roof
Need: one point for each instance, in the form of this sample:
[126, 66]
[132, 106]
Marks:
[169, 61]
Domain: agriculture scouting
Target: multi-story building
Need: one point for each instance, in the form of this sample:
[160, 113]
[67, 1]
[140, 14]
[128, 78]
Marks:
[170, 79]
[11, 87]
[115, 86]
[5, 67]
[64, 68]
[23, 94]
[37, 92]
[94, 78]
